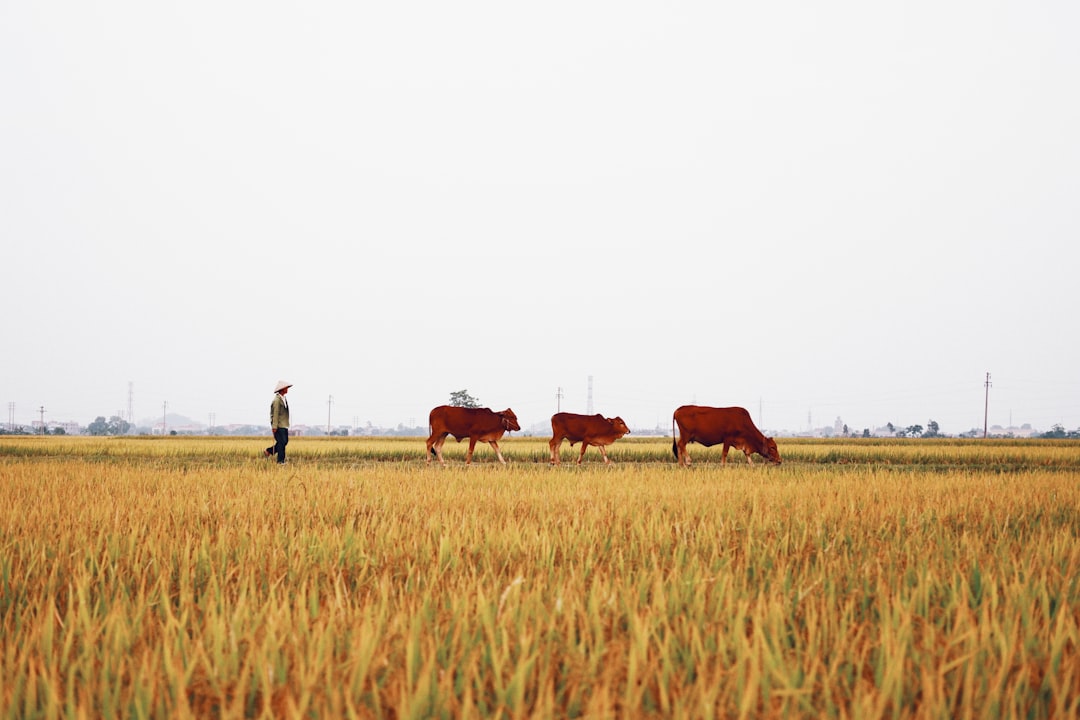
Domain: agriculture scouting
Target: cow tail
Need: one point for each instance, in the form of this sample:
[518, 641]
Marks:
[674, 446]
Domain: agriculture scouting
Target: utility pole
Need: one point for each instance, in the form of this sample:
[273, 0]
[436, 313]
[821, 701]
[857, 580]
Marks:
[11, 416]
[986, 405]
[558, 399]
[42, 419]
[329, 402]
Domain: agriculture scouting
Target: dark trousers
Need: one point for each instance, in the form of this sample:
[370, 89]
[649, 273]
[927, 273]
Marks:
[281, 439]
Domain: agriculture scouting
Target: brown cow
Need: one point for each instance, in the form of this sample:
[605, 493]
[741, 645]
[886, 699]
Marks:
[477, 424]
[710, 426]
[588, 430]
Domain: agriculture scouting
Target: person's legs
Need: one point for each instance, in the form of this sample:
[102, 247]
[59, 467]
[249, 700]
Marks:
[281, 438]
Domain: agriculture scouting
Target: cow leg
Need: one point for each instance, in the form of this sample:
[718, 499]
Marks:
[745, 447]
[683, 454]
[555, 447]
[495, 447]
[435, 444]
[603, 452]
[723, 455]
[468, 454]
[584, 446]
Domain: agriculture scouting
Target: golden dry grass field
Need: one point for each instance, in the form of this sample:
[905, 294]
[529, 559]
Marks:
[190, 577]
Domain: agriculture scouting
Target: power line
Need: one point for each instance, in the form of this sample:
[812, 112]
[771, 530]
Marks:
[986, 405]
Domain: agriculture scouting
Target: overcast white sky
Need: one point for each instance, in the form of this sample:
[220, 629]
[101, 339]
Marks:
[810, 209]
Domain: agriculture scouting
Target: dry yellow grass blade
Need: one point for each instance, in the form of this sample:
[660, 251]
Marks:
[190, 577]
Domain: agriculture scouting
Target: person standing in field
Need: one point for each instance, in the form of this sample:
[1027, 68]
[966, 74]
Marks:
[279, 422]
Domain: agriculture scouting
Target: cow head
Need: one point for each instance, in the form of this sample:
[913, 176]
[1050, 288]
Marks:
[618, 425]
[509, 419]
[771, 453]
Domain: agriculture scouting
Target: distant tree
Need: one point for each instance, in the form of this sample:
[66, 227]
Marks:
[118, 426]
[913, 430]
[1061, 432]
[462, 398]
[933, 430]
[1056, 432]
[113, 426]
[846, 431]
[59, 431]
[866, 432]
[891, 427]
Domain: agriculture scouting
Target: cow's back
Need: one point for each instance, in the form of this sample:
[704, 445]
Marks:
[572, 426]
[458, 421]
[711, 426]
[464, 422]
[440, 418]
[594, 429]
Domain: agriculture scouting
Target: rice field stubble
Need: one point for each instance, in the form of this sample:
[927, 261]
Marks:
[189, 577]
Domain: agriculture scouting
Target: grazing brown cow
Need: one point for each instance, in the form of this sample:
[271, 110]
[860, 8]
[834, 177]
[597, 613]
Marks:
[710, 426]
[588, 430]
[477, 424]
